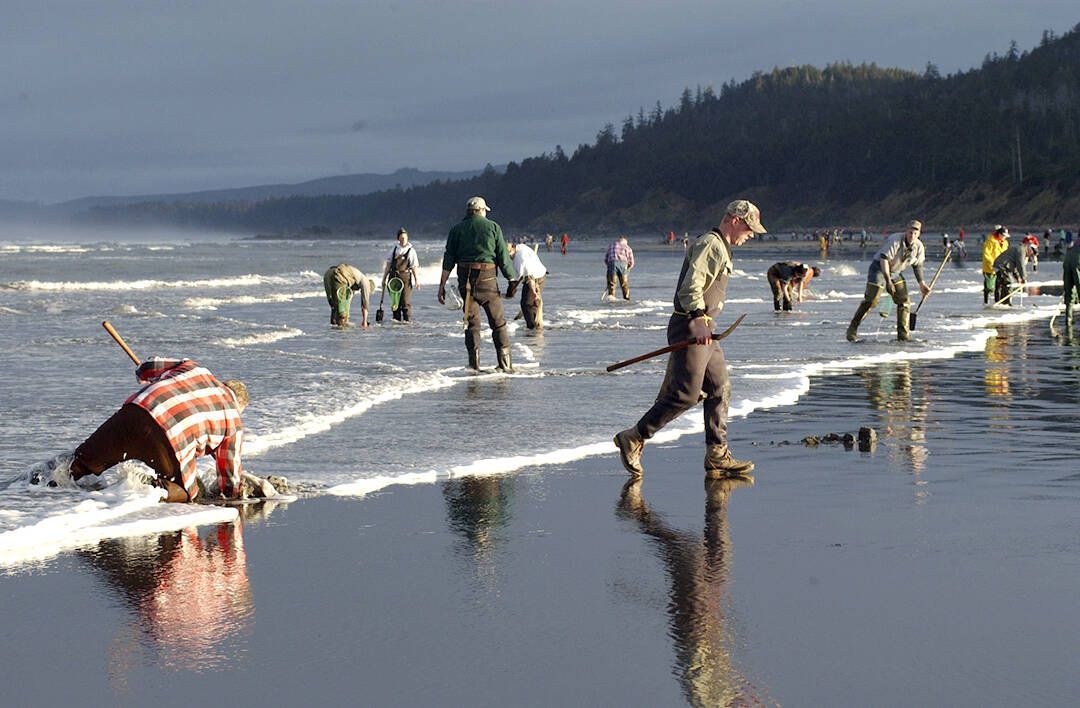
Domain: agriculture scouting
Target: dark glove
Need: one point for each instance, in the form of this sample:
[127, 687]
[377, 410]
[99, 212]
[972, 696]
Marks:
[512, 287]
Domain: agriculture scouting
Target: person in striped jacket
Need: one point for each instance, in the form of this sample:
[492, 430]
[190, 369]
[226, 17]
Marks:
[181, 413]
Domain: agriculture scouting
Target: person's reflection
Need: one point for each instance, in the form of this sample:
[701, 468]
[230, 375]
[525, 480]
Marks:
[1068, 336]
[903, 403]
[190, 595]
[477, 508]
[698, 568]
[996, 375]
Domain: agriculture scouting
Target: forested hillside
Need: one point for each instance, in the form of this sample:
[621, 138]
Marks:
[857, 145]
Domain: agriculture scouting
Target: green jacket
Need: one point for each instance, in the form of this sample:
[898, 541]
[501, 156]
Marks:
[476, 239]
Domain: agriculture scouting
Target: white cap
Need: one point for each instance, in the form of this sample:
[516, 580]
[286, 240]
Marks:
[477, 204]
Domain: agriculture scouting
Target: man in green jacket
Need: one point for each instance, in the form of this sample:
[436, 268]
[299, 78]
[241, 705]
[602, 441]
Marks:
[476, 246]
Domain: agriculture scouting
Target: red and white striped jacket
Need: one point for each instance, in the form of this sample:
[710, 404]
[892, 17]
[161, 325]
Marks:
[199, 415]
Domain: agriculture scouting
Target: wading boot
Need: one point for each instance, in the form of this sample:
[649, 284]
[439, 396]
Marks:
[474, 356]
[869, 302]
[903, 313]
[505, 365]
[630, 444]
[719, 463]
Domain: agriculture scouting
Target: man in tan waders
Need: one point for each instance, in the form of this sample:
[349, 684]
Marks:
[897, 253]
[699, 369]
[340, 282]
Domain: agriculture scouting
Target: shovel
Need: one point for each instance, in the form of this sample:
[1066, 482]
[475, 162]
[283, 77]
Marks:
[911, 318]
[378, 313]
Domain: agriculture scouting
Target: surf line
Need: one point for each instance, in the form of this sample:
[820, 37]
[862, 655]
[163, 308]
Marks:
[685, 426]
[249, 280]
[315, 423]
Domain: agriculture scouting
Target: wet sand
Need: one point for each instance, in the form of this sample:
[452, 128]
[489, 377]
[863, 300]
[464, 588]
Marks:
[939, 569]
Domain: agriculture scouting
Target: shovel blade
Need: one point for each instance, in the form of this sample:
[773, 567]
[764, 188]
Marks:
[378, 316]
[911, 320]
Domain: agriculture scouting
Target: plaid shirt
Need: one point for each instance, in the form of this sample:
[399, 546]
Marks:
[199, 416]
[619, 251]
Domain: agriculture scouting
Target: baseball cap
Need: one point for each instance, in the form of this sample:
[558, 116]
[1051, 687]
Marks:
[742, 209]
[915, 224]
[476, 204]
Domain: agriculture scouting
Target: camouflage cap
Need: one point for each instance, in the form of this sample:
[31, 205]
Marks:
[742, 209]
[915, 224]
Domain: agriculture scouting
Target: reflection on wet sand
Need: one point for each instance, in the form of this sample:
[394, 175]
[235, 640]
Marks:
[190, 595]
[700, 609]
[1067, 334]
[478, 508]
[904, 410]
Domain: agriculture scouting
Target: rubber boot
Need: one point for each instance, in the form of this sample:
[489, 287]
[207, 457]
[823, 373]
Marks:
[474, 355]
[610, 292]
[903, 312]
[624, 283]
[719, 463]
[631, 445]
[869, 301]
[505, 365]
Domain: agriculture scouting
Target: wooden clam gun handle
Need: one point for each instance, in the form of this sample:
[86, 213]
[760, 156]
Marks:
[674, 347]
[120, 340]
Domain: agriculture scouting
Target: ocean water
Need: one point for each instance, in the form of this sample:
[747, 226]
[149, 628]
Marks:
[348, 412]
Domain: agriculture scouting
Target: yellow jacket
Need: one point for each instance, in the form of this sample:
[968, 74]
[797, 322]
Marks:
[992, 248]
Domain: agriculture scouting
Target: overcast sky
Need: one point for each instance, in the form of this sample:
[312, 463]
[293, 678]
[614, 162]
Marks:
[133, 97]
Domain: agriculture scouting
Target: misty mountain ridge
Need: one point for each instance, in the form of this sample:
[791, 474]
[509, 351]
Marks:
[362, 183]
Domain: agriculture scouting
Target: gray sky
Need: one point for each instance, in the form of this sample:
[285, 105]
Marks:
[131, 97]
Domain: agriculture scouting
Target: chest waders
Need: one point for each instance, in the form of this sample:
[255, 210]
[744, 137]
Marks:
[470, 344]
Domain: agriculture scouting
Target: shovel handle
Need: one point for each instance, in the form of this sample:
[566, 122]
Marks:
[120, 340]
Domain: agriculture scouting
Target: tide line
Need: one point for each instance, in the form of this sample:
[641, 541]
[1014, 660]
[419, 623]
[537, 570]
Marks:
[249, 280]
